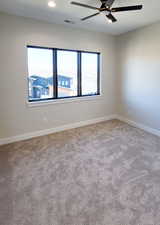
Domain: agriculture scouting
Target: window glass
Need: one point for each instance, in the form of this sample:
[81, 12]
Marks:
[89, 73]
[40, 77]
[67, 73]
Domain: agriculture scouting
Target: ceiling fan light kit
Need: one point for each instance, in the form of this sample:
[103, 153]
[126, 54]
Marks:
[107, 10]
[51, 4]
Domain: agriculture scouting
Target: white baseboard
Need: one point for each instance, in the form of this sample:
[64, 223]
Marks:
[139, 125]
[26, 136]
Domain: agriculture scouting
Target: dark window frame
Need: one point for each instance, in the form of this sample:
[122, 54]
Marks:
[79, 74]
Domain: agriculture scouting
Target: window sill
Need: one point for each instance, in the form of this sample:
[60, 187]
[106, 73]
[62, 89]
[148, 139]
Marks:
[64, 100]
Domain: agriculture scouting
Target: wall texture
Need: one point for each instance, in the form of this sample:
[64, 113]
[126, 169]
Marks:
[16, 117]
[130, 75]
[138, 76]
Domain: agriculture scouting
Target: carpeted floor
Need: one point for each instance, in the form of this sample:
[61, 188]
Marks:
[103, 174]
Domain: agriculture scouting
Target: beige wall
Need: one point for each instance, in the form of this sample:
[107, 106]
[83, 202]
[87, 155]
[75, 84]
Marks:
[130, 75]
[15, 116]
[138, 76]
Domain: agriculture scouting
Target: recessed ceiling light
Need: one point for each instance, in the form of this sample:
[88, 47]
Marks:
[51, 4]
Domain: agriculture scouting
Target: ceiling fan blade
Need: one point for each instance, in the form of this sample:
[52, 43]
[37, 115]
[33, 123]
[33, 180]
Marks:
[84, 5]
[109, 3]
[88, 17]
[103, 5]
[127, 8]
[111, 18]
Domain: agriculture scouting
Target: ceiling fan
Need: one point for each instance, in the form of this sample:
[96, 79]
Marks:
[106, 8]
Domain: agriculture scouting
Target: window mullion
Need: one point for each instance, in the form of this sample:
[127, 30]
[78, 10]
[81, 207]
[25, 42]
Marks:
[79, 73]
[98, 74]
[55, 78]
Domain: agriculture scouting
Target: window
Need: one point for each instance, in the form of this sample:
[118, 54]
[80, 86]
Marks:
[40, 77]
[59, 73]
[89, 73]
[67, 72]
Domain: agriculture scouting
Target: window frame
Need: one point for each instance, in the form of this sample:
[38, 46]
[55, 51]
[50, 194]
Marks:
[55, 75]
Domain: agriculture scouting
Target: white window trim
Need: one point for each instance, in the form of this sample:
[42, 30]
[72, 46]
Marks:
[64, 100]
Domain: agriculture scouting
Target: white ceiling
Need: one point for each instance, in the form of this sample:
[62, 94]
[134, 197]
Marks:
[127, 21]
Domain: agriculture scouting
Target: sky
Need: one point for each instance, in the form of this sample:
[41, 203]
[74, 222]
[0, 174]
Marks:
[40, 63]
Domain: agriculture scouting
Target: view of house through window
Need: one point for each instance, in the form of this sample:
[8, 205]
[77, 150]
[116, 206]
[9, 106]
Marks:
[56, 73]
[40, 69]
[67, 73]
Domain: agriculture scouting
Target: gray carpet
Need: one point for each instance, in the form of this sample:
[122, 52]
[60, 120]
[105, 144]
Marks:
[103, 174]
